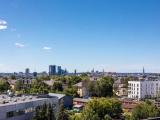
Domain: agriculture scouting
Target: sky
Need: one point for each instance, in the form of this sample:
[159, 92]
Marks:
[114, 35]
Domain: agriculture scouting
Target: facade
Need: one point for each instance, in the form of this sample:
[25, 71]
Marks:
[26, 83]
[122, 91]
[144, 88]
[59, 70]
[121, 88]
[67, 100]
[80, 101]
[52, 70]
[82, 89]
[23, 108]
[27, 71]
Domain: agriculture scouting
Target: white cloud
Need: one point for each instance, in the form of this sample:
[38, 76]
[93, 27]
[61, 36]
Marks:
[3, 24]
[19, 45]
[47, 48]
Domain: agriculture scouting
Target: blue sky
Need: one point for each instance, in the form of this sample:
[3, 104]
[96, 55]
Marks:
[114, 35]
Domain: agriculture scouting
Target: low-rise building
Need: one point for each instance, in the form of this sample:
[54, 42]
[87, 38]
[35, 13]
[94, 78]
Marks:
[23, 107]
[80, 101]
[129, 104]
[67, 100]
[120, 88]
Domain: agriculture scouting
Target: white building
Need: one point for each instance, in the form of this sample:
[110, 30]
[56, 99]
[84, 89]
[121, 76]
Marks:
[145, 88]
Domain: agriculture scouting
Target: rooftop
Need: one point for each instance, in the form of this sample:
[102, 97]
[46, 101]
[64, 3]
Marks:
[57, 95]
[6, 100]
[78, 84]
[81, 100]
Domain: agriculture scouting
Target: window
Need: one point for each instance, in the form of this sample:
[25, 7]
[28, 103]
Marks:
[10, 114]
[20, 112]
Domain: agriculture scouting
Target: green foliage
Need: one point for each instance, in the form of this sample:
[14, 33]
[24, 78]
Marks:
[73, 80]
[128, 116]
[57, 86]
[92, 89]
[145, 110]
[71, 92]
[39, 87]
[84, 75]
[76, 117]
[62, 113]
[4, 85]
[102, 109]
[44, 112]
[18, 85]
[102, 87]
[105, 87]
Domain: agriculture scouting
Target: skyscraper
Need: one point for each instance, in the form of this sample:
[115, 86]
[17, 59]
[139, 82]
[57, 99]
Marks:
[27, 71]
[59, 70]
[34, 74]
[52, 70]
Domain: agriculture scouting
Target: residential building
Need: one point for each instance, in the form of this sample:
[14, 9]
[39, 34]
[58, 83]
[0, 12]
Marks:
[120, 88]
[79, 104]
[144, 88]
[12, 83]
[82, 89]
[80, 101]
[129, 104]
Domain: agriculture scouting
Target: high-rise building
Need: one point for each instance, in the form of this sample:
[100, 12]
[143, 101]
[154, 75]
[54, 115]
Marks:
[52, 70]
[27, 71]
[75, 72]
[34, 74]
[59, 70]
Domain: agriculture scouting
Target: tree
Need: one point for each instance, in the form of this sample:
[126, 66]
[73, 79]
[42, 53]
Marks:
[4, 85]
[62, 113]
[92, 88]
[102, 109]
[57, 86]
[71, 92]
[39, 87]
[18, 85]
[73, 80]
[145, 110]
[104, 87]
[44, 113]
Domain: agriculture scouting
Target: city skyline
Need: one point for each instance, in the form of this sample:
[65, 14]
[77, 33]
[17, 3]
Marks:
[117, 36]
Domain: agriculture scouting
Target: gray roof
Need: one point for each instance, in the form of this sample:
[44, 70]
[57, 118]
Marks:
[78, 84]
